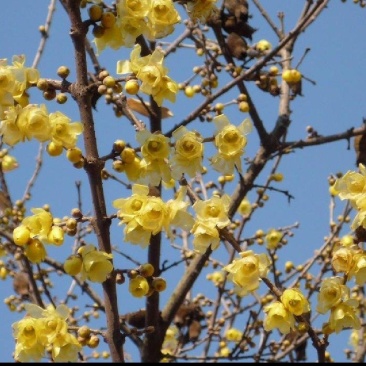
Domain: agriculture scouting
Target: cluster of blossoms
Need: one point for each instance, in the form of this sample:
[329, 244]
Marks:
[160, 161]
[154, 19]
[145, 215]
[15, 79]
[246, 272]
[281, 314]
[152, 74]
[273, 238]
[35, 231]
[34, 122]
[45, 329]
[335, 296]
[19, 120]
[89, 263]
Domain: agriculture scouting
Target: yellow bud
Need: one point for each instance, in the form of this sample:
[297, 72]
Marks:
[93, 341]
[128, 155]
[132, 87]
[277, 177]
[147, 270]
[61, 98]
[158, 284]
[21, 235]
[95, 13]
[109, 81]
[54, 149]
[63, 72]
[108, 19]
[243, 107]
[84, 331]
[119, 145]
[189, 91]
[3, 273]
[74, 154]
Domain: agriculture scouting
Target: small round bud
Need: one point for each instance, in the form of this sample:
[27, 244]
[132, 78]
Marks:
[93, 341]
[76, 213]
[108, 20]
[132, 87]
[128, 155]
[63, 72]
[74, 154]
[54, 149]
[61, 98]
[109, 81]
[49, 94]
[118, 166]
[189, 91]
[95, 13]
[147, 270]
[158, 284]
[84, 331]
[243, 107]
[71, 223]
[119, 145]
[42, 84]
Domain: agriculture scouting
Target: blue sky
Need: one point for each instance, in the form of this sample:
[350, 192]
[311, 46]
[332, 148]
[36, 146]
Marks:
[336, 103]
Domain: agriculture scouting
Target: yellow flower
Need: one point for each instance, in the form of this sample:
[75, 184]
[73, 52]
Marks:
[342, 259]
[358, 269]
[136, 234]
[277, 316]
[152, 73]
[30, 339]
[295, 302]
[129, 208]
[187, 153]
[205, 235]
[8, 163]
[347, 240]
[63, 131]
[111, 37]
[9, 129]
[201, 10]
[230, 142]
[138, 286]
[273, 238]
[39, 224]
[233, 335]
[133, 8]
[246, 271]
[177, 212]
[344, 315]
[351, 184]
[155, 150]
[161, 19]
[245, 208]
[56, 235]
[153, 215]
[213, 210]
[332, 291]
[33, 122]
[66, 348]
[73, 265]
[96, 264]
[35, 251]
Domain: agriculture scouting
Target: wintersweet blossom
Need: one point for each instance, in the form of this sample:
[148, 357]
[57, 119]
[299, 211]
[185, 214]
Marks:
[358, 269]
[205, 235]
[245, 208]
[155, 150]
[332, 292]
[273, 238]
[161, 19]
[351, 184]
[213, 210]
[152, 73]
[187, 153]
[277, 316]
[342, 259]
[8, 163]
[230, 142]
[295, 302]
[96, 264]
[344, 315]
[63, 131]
[247, 271]
[39, 224]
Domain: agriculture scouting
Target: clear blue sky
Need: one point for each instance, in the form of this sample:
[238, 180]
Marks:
[336, 103]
